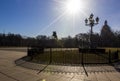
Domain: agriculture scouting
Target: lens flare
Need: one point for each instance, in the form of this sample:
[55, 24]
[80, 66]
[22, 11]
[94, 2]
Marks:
[74, 6]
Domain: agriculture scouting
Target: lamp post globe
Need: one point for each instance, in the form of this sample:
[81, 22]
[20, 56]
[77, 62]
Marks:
[91, 22]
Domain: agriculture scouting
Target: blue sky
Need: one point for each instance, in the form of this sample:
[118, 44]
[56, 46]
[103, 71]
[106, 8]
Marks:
[42, 17]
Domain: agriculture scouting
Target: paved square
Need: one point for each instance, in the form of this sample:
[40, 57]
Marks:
[9, 71]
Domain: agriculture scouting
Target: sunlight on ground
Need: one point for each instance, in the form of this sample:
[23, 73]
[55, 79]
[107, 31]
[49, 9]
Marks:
[43, 80]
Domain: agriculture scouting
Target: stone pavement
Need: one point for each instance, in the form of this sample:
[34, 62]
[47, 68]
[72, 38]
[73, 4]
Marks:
[9, 71]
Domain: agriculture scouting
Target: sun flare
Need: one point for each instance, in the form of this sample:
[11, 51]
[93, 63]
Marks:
[69, 13]
[73, 6]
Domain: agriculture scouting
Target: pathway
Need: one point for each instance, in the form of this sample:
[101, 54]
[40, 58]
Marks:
[9, 71]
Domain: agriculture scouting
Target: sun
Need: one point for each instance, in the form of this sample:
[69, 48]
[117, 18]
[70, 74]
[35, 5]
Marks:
[73, 6]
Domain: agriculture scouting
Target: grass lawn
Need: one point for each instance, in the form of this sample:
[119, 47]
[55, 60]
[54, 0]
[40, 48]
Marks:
[112, 49]
[72, 57]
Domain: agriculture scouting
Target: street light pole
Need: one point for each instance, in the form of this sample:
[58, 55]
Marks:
[91, 22]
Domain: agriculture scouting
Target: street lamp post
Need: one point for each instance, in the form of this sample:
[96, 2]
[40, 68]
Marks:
[91, 22]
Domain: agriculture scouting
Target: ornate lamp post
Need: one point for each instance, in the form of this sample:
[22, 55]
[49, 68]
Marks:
[91, 22]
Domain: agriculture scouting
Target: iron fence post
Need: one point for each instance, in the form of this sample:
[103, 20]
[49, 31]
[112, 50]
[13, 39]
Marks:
[82, 58]
[50, 55]
[109, 56]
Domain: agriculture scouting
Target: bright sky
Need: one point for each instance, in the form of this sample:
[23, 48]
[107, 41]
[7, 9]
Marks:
[42, 17]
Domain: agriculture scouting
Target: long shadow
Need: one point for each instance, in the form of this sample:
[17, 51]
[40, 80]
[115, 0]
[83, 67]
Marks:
[117, 67]
[9, 76]
[18, 64]
[44, 67]
[86, 73]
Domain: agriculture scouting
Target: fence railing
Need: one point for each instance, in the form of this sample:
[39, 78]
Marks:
[72, 56]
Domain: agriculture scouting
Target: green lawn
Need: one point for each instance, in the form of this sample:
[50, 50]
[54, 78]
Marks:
[72, 57]
[112, 49]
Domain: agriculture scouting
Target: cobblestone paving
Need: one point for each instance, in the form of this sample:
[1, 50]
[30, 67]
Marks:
[9, 71]
[67, 69]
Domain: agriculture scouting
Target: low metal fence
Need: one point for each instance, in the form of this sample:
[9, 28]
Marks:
[72, 56]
